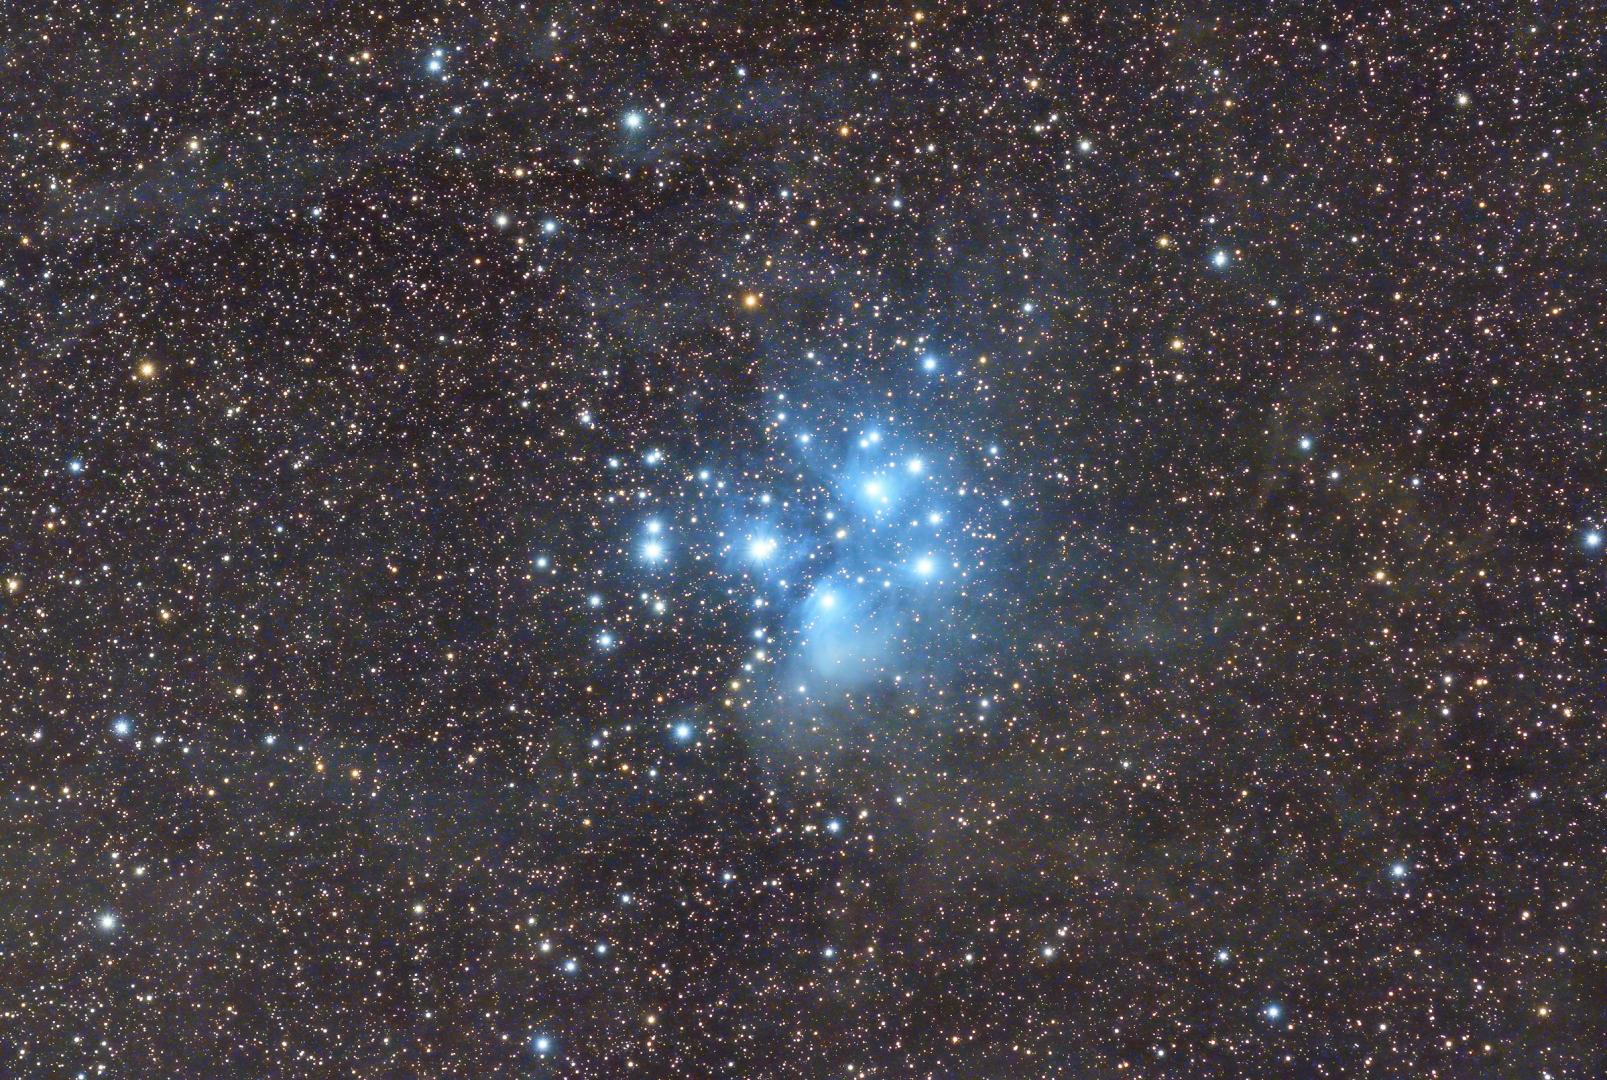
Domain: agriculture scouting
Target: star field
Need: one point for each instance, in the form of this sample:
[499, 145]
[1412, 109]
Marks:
[676, 540]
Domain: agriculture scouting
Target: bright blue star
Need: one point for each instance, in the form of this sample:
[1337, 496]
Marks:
[1220, 259]
[653, 549]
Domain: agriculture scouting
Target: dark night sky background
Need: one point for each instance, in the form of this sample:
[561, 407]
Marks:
[853, 541]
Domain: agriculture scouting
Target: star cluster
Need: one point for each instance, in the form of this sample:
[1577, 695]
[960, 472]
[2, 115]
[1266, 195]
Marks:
[677, 540]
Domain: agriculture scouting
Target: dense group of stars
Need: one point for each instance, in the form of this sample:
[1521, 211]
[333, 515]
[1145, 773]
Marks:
[975, 540]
